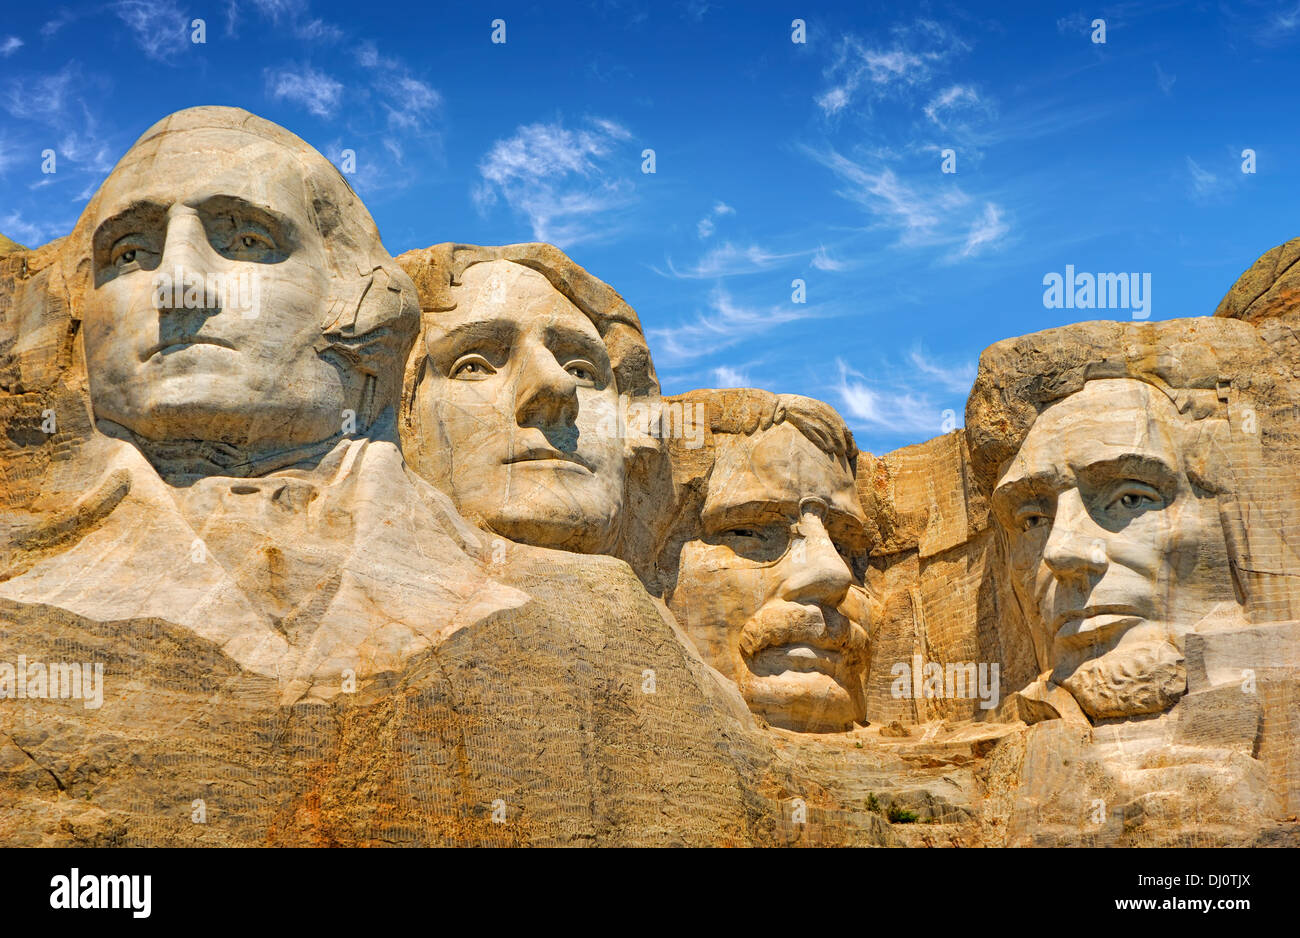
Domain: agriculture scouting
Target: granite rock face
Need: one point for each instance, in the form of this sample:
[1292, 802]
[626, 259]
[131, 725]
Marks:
[301, 544]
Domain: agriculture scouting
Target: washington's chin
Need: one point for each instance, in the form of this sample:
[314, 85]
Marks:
[557, 526]
[178, 413]
[803, 701]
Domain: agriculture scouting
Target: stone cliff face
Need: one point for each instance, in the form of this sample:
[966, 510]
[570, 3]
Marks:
[704, 620]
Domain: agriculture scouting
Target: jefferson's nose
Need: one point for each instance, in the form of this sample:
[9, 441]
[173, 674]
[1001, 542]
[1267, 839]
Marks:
[1075, 547]
[545, 394]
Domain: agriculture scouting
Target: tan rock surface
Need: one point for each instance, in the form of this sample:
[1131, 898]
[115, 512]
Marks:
[318, 626]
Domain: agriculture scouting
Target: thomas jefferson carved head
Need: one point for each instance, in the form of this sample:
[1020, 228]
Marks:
[232, 289]
[764, 566]
[517, 392]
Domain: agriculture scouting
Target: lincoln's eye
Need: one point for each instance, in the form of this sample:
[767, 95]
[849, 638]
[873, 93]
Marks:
[743, 532]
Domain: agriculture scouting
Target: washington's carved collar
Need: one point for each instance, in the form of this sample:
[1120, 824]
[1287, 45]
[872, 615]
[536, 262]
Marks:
[183, 462]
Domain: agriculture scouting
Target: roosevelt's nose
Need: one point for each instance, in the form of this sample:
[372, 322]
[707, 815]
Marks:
[1075, 546]
[186, 254]
[545, 394]
[817, 574]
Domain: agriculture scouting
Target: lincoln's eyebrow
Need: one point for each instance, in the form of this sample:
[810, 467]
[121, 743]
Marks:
[1024, 488]
[1144, 466]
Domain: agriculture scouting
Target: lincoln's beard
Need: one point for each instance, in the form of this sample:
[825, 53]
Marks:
[1145, 677]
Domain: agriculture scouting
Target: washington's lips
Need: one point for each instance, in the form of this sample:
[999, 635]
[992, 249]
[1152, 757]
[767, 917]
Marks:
[177, 343]
[1094, 622]
[546, 454]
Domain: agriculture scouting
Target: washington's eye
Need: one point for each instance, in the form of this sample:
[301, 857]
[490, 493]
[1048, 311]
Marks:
[471, 368]
[584, 371]
[127, 251]
[251, 244]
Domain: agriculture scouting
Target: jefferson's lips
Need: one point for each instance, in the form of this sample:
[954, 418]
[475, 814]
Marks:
[546, 454]
[172, 345]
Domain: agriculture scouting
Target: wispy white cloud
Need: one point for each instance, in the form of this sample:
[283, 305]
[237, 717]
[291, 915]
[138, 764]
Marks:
[901, 411]
[1286, 20]
[725, 322]
[728, 260]
[51, 27]
[31, 234]
[1165, 80]
[705, 226]
[159, 27]
[9, 45]
[1204, 182]
[956, 379]
[927, 212]
[561, 179]
[724, 376]
[985, 232]
[312, 89]
[953, 100]
[290, 16]
[863, 70]
[823, 261]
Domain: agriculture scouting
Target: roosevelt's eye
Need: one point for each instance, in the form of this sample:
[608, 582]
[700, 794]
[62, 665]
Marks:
[584, 371]
[471, 368]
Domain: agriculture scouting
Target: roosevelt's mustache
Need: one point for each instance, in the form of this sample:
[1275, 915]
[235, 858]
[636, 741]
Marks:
[790, 623]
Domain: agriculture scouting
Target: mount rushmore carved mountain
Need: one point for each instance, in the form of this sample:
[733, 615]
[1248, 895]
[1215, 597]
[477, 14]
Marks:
[304, 544]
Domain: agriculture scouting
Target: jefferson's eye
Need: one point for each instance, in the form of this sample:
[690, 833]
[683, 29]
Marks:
[472, 368]
[1034, 519]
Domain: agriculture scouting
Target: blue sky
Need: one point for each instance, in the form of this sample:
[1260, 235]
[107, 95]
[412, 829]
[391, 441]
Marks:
[775, 160]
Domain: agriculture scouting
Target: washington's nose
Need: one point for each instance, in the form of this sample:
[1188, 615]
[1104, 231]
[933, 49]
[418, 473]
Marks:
[187, 255]
[1075, 546]
[817, 574]
[545, 394]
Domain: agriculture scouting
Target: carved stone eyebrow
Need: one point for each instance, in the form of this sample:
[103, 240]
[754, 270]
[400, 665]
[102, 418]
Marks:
[1143, 466]
[500, 331]
[557, 333]
[1047, 483]
[112, 227]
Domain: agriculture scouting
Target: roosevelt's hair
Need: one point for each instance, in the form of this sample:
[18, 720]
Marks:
[745, 411]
